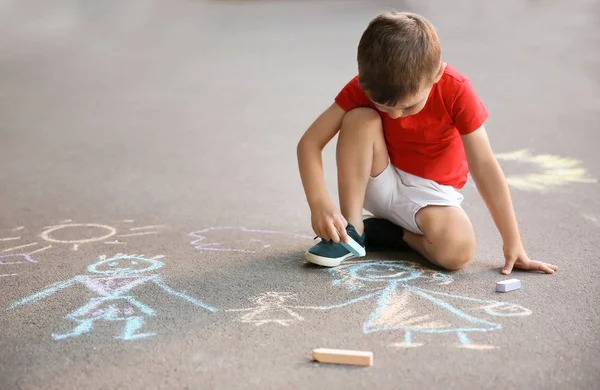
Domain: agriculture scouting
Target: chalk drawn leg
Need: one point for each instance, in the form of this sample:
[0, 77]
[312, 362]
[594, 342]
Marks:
[407, 341]
[465, 342]
[132, 325]
[85, 326]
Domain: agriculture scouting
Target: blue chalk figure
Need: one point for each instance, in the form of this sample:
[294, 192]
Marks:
[112, 280]
[403, 306]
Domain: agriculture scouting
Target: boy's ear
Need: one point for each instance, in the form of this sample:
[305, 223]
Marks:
[440, 72]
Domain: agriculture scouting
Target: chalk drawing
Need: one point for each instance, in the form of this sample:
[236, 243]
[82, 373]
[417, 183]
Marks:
[40, 250]
[100, 233]
[14, 248]
[10, 238]
[592, 219]
[115, 242]
[112, 280]
[15, 259]
[552, 171]
[238, 239]
[270, 308]
[146, 227]
[109, 232]
[402, 306]
[136, 234]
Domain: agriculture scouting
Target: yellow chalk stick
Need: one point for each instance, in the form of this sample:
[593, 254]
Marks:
[341, 356]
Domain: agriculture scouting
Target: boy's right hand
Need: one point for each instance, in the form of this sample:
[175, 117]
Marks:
[327, 221]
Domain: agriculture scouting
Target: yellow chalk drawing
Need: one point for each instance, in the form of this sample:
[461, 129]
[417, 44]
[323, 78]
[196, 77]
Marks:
[592, 219]
[79, 233]
[554, 171]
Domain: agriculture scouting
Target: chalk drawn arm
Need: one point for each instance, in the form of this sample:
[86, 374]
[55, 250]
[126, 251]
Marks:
[348, 303]
[494, 308]
[44, 293]
[248, 309]
[159, 282]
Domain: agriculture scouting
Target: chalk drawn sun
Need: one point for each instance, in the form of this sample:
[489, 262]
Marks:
[72, 235]
[549, 171]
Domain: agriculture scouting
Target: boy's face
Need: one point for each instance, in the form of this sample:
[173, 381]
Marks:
[409, 106]
[413, 104]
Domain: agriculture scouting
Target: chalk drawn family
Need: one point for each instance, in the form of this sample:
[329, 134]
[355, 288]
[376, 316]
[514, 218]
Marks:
[402, 297]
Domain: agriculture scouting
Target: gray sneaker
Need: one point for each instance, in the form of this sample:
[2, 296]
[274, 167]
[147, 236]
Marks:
[329, 254]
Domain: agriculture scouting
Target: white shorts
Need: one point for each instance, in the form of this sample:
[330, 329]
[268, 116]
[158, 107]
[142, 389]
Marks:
[397, 196]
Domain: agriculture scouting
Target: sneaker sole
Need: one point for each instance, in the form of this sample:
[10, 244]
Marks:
[325, 261]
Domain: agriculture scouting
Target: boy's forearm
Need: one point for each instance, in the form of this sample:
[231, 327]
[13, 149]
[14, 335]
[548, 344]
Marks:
[491, 184]
[310, 163]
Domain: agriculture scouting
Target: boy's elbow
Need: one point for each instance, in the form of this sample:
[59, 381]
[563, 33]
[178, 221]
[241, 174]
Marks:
[300, 147]
[304, 145]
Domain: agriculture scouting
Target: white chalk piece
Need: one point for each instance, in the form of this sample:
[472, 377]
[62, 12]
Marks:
[341, 356]
[508, 285]
[353, 247]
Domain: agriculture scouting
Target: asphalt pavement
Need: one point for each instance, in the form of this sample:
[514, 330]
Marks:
[153, 223]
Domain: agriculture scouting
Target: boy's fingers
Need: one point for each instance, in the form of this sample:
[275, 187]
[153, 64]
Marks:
[316, 230]
[343, 222]
[319, 231]
[508, 267]
[551, 266]
[333, 234]
[548, 270]
[325, 233]
[545, 267]
[342, 230]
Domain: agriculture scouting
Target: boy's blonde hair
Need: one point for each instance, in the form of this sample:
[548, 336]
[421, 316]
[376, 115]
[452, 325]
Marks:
[397, 53]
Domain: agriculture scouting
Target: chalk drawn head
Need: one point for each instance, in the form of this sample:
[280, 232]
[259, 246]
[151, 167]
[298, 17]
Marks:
[125, 265]
[242, 240]
[273, 298]
[358, 274]
[505, 309]
[384, 272]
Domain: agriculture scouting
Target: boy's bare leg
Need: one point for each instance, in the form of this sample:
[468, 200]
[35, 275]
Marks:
[448, 240]
[361, 152]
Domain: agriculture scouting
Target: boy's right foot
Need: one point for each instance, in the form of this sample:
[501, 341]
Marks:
[383, 235]
[329, 254]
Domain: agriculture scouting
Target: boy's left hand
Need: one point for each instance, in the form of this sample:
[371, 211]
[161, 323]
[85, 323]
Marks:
[516, 257]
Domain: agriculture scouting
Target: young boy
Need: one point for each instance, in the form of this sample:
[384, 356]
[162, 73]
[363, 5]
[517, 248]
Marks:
[410, 128]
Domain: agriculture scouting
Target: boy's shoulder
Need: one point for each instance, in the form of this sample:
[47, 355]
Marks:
[461, 101]
[453, 77]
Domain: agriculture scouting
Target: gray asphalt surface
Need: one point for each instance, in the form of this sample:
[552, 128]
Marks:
[169, 128]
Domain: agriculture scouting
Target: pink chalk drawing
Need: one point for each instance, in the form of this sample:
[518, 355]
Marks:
[112, 280]
[20, 258]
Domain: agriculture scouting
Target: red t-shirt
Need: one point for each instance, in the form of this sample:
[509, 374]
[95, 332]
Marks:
[428, 144]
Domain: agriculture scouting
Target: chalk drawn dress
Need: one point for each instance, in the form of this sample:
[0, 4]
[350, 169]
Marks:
[405, 307]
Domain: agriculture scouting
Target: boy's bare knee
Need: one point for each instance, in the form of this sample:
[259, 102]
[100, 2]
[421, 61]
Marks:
[455, 253]
[450, 234]
[361, 139]
[361, 117]
[453, 263]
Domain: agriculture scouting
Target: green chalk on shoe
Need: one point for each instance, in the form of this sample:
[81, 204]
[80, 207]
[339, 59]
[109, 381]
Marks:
[354, 247]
